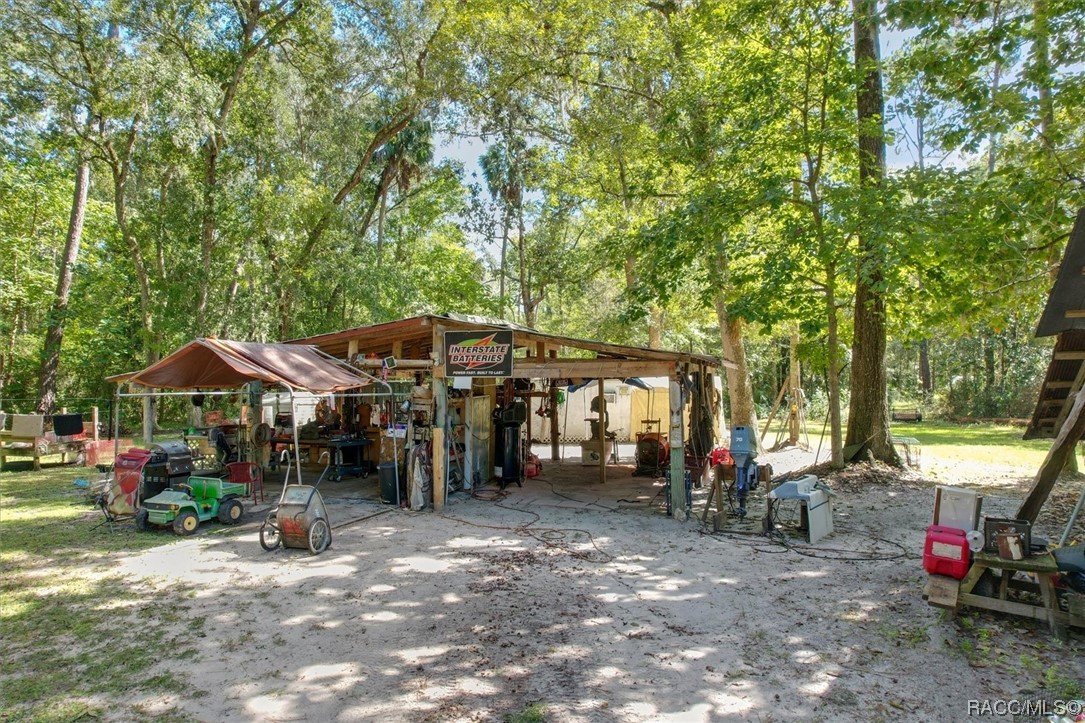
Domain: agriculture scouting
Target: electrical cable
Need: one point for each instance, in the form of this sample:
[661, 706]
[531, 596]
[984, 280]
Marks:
[360, 519]
[488, 495]
[553, 537]
[821, 553]
[594, 503]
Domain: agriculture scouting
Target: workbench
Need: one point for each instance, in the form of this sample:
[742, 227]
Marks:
[1043, 567]
[348, 457]
[312, 447]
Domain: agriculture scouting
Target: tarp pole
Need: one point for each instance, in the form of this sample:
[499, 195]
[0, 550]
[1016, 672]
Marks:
[392, 417]
[116, 423]
[294, 427]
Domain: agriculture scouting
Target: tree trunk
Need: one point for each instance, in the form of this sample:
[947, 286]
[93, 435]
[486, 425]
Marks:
[120, 168]
[524, 272]
[505, 223]
[655, 327]
[794, 389]
[231, 293]
[836, 445]
[988, 364]
[739, 388]
[926, 379]
[208, 226]
[54, 335]
[382, 214]
[1042, 72]
[868, 419]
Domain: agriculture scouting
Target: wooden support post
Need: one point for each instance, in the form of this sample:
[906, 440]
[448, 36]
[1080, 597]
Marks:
[1062, 448]
[94, 423]
[678, 454]
[255, 418]
[63, 455]
[529, 415]
[439, 386]
[555, 451]
[601, 425]
[352, 349]
[397, 347]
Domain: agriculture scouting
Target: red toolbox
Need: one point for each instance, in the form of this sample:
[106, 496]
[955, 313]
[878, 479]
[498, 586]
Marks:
[946, 552]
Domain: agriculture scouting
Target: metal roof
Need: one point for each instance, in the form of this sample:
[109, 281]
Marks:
[1065, 309]
[1063, 317]
[414, 337]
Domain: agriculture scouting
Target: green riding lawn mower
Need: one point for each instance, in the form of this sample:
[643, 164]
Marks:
[185, 505]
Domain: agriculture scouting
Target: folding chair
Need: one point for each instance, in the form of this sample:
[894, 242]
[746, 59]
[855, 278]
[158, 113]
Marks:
[250, 474]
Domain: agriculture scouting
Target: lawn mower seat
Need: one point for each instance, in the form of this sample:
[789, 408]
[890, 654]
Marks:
[1071, 562]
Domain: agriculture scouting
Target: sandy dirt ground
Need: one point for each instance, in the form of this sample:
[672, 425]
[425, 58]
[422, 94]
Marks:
[587, 600]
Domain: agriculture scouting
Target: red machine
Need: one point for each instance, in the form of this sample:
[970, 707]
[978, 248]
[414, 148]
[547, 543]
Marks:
[945, 552]
[653, 449]
[533, 465]
[720, 455]
[122, 497]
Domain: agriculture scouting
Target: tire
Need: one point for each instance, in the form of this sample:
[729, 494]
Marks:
[320, 537]
[230, 511]
[142, 523]
[270, 537]
[186, 523]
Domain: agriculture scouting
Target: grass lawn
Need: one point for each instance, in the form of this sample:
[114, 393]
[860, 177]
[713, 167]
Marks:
[979, 443]
[995, 444]
[56, 589]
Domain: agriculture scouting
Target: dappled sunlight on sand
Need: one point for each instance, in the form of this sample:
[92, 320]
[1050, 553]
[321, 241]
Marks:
[421, 618]
[462, 686]
[468, 543]
[201, 561]
[405, 565]
[380, 616]
[422, 655]
[593, 622]
[271, 707]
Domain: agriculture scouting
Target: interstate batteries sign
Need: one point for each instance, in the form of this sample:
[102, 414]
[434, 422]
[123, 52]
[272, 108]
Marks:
[478, 353]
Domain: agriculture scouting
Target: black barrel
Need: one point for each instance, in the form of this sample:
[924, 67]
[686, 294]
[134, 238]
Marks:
[389, 485]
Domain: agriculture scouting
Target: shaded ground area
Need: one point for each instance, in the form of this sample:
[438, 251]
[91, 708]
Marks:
[582, 600]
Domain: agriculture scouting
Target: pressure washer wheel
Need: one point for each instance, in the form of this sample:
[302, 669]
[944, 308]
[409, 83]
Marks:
[320, 536]
[270, 536]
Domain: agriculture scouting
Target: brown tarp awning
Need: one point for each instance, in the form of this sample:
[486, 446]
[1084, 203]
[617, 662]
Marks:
[222, 364]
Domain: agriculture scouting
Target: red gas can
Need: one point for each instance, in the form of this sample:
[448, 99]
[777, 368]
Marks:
[946, 552]
[720, 455]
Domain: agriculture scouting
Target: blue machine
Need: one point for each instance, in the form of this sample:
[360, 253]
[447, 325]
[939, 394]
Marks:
[744, 452]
